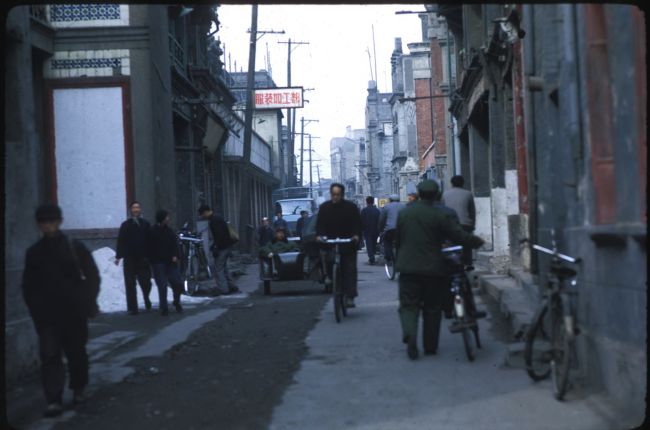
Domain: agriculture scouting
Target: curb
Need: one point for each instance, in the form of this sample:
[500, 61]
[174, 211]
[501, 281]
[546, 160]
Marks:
[512, 297]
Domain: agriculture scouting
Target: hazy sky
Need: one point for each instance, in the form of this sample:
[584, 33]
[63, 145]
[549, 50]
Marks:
[335, 63]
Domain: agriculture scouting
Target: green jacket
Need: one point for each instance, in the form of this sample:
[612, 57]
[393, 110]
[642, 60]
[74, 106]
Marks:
[421, 230]
[278, 247]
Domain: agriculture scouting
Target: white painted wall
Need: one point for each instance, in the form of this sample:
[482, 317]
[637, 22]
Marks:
[512, 192]
[484, 220]
[89, 152]
[500, 234]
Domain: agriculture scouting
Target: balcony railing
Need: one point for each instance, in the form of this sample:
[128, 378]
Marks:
[39, 13]
[177, 53]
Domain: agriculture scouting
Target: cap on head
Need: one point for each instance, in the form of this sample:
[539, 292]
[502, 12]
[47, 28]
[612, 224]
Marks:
[428, 187]
[161, 215]
[203, 209]
[48, 212]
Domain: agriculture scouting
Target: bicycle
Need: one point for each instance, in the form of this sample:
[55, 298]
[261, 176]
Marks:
[340, 306]
[550, 340]
[389, 264]
[194, 264]
[464, 313]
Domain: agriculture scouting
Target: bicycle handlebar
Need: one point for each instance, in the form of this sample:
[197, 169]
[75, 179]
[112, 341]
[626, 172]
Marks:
[452, 248]
[338, 240]
[556, 254]
[189, 238]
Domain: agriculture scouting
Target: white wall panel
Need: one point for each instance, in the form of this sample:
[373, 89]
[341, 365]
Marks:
[89, 152]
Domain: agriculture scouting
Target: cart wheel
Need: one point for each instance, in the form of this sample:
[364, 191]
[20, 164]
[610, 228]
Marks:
[267, 287]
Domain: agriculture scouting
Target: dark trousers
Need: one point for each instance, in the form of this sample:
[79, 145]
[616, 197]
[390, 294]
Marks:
[426, 293]
[165, 274]
[348, 271]
[371, 245]
[67, 337]
[389, 238]
[136, 268]
[467, 250]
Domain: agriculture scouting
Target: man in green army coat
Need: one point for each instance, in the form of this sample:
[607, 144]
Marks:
[422, 228]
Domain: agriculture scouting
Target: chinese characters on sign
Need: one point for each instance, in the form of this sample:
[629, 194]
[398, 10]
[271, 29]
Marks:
[278, 98]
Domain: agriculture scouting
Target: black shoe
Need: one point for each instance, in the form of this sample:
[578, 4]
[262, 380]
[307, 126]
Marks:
[405, 339]
[479, 314]
[79, 397]
[164, 312]
[53, 410]
[412, 349]
[430, 351]
[178, 307]
[132, 312]
[147, 304]
[234, 290]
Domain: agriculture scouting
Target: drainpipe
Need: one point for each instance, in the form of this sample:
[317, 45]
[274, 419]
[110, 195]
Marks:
[573, 126]
[529, 106]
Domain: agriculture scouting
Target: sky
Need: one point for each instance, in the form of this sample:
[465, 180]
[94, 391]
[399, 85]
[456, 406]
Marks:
[335, 63]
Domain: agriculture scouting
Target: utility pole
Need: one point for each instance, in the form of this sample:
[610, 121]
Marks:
[310, 167]
[291, 120]
[245, 202]
[302, 144]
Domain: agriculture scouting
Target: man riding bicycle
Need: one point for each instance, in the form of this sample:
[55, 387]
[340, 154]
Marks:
[340, 218]
[388, 223]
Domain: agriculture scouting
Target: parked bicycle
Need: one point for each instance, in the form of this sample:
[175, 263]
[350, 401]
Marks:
[340, 307]
[464, 312]
[194, 264]
[550, 340]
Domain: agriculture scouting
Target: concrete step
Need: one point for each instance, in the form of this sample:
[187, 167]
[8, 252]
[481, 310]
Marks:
[514, 303]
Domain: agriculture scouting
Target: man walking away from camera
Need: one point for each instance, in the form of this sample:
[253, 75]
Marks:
[421, 231]
[462, 201]
[370, 224]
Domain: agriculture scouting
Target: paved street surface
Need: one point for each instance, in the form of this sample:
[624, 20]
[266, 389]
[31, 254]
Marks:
[282, 362]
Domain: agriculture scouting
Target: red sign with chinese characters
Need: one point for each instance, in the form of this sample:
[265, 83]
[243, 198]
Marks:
[278, 98]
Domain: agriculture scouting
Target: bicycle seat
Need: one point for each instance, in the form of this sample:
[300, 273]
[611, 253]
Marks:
[563, 272]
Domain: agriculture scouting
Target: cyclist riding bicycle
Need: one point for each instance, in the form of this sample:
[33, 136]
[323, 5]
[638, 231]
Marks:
[340, 218]
[388, 223]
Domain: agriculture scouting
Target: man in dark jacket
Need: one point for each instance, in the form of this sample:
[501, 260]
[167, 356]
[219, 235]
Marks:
[131, 246]
[52, 282]
[370, 225]
[462, 201]
[300, 224]
[264, 233]
[340, 218]
[279, 221]
[162, 244]
[221, 250]
[421, 230]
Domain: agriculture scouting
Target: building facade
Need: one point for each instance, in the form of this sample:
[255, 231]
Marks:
[551, 119]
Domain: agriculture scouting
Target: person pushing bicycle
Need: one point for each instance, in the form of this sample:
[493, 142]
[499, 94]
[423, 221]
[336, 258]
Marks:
[421, 230]
[340, 218]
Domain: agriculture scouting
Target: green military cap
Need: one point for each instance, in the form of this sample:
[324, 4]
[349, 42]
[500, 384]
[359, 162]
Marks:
[428, 186]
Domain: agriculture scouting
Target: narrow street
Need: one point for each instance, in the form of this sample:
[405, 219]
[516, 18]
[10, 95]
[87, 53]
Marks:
[282, 362]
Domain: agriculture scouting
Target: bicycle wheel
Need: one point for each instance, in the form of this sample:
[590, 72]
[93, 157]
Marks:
[336, 294]
[537, 350]
[192, 275]
[389, 266]
[469, 340]
[561, 360]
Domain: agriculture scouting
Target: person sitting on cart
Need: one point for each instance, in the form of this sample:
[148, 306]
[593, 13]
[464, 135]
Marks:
[279, 245]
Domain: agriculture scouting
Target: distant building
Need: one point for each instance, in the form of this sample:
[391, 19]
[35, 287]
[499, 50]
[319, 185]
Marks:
[379, 141]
